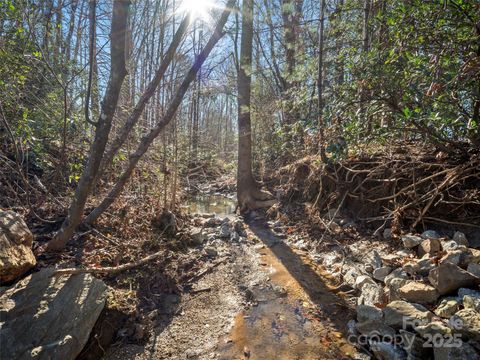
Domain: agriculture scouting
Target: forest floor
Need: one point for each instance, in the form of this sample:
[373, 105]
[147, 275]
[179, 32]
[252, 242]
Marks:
[260, 300]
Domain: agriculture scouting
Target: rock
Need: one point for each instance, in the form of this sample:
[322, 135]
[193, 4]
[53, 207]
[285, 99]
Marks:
[46, 317]
[433, 328]
[398, 273]
[362, 280]
[212, 222]
[462, 352]
[369, 268]
[447, 308]
[430, 234]
[410, 241]
[210, 251]
[418, 292]
[474, 269]
[371, 294]
[225, 230]
[469, 323]
[370, 321]
[376, 260]
[16, 256]
[387, 234]
[387, 351]
[413, 344]
[399, 314]
[394, 287]
[449, 245]
[381, 273]
[350, 276]
[464, 291]
[470, 256]
[239, 227]
[452, 257]
[197, 235]
[460, 238]
[471, 302]
[420, 266]
[234, 237]
[166, 222]
[448, 277]
[429, 246]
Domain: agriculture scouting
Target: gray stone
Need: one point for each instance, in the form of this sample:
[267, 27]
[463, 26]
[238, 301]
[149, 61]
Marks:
[398, 273]
[381, 272]
[418, 292]
[420, 266]
[430, 234]
[45, 317]
[471, 302]
[370, 321]
[387, 234]
[235, 237]
[394, 286]
[470, 256]
[448, 245]
[448, 277]
[350, 276]
[225, 230]
[463, 352]
[362, 280]
[197, 235]
[460, 238]
[452, 257]
[376, 260]
[433, 328]
[474, 269]
[429, 246]
[399, 313]
[371, 294]
[16, 256]
[410, 241]
[239, 227]
[465, 291]
[469, 321]
[212, 222]
[447, 307]
[387, 351]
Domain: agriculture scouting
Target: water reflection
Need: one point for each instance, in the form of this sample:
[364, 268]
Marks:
[208, 204]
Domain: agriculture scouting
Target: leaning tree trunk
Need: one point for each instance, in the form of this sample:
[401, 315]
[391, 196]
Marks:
[103, 125]
[147, 140]
[249, 195]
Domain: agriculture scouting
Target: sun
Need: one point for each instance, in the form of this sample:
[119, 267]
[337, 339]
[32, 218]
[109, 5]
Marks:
[198, 9]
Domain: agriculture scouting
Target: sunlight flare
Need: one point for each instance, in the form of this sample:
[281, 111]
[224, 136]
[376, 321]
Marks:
[198, 9]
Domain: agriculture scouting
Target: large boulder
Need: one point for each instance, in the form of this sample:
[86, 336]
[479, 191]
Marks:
[16, 256]
[448, 277]
[49, 317]
[418, 292]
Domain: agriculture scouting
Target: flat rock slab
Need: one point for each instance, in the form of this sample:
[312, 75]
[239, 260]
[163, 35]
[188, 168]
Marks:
[45, 317]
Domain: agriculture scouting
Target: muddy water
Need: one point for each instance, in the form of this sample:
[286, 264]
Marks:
[209, 204]
[297, 316]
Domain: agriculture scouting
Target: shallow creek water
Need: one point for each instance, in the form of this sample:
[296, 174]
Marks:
[295, 315]
[209, 204]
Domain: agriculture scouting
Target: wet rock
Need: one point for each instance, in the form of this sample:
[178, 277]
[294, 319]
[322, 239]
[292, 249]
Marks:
[371, 294]
[418, 292]
[197, 235]
[420, 266]
[448, 277]
[381, 273]
[410, 241]
[470, 323]
[16, 256]
[429, 246]
[474, 269]
[399, 313]
[430, 234]
[45, 317]
[387, 351]
[225, 230]
[447, 307]
[460, 238]
[462, 352]
[362, 280]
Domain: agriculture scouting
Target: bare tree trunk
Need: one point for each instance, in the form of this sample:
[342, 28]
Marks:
[249, 195]
[103, 125]
[147, 140]
[321, 120]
